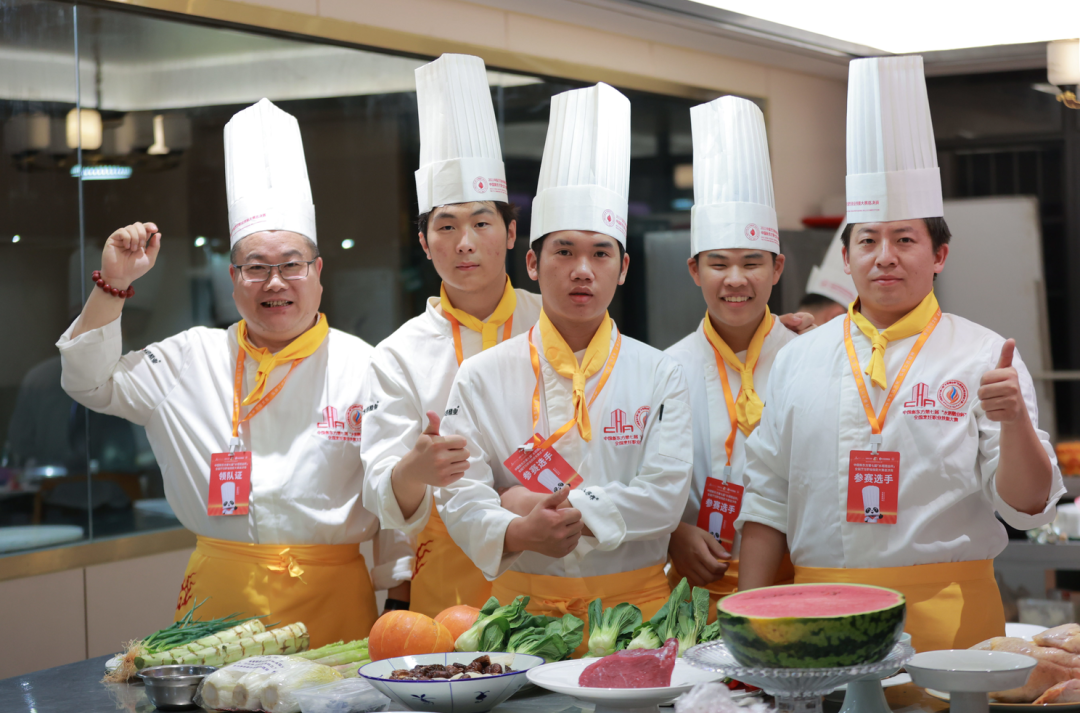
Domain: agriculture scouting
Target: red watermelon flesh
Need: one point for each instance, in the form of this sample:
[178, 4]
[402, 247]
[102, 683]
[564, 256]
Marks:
[633, 668]
[812, 600]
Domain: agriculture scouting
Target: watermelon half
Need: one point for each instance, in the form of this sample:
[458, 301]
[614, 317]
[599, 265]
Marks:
[811, 625]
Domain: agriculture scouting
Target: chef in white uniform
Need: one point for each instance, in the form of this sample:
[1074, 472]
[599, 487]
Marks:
[466, 228]
[735, 259]
[893, 435]
[830, 289]
[573, 413]
[256, 427]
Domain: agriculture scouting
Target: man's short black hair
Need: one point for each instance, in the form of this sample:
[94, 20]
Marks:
[538, 247]
[234, 256]
[938, 229]
[813, 299]
[508, 211]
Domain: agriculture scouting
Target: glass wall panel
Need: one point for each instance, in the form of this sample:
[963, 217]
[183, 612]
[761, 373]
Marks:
[155, 94]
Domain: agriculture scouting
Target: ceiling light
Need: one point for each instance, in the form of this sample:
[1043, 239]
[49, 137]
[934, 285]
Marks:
[158, 148]
[200, 241]
[84, 128]
[916, 25]
[347, 243]
[101, 173]
[15, 238]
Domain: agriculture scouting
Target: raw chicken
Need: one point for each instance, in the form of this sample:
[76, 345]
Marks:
[1065, 637]
[1055, 666]
[634, 668]
[1064, 692]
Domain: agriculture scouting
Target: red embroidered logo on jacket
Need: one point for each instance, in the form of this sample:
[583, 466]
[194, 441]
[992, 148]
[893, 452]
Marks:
[335, 430]
[951, 397]
[620, 429]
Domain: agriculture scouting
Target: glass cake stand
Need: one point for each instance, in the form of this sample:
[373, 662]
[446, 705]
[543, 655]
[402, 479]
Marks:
[797, 690]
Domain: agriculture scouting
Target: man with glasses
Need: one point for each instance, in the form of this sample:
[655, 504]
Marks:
[257, 427]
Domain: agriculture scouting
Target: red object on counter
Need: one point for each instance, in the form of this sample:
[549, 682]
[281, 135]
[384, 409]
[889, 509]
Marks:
[828, 222]
[634, 668]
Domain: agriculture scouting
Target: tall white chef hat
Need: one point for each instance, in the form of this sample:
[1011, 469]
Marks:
[460, 157]
[265, 174]
[829, 278]
[892, 169]
[733, 192]
[585, 172]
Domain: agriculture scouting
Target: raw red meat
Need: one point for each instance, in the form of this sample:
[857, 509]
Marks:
[636, 668]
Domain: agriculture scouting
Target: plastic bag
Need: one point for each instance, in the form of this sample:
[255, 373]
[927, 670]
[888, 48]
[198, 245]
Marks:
[352, 695]
[715, 698]
[262, 683]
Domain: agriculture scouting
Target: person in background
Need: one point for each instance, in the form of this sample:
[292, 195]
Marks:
[830, 288]
[736, 260]
[466, 227]
[257, 427]
[893, 436]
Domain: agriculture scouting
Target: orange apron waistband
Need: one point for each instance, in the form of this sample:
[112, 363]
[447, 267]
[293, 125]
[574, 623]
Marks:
[275, 555]
[572, 594]
[894, 577]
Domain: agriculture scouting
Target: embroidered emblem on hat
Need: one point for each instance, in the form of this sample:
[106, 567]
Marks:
[953, 395]
[609, 217]
[751, 231]
[480, 185]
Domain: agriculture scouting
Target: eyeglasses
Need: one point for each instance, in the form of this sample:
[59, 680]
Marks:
[258, 272]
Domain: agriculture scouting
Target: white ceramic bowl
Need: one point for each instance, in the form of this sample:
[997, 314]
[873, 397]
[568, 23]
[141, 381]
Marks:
[967, 671]
[466, 695]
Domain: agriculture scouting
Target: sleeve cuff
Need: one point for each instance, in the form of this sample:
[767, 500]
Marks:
[1022, 520]
[601, 516]
[390, 514]
[507, 559]
[391, 574]
[764, 512]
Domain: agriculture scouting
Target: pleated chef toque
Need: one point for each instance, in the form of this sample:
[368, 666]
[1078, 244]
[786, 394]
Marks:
[733, 192]
[585, 172]
[829, 278]
[892, 169]
[460, 157]
[265, 174]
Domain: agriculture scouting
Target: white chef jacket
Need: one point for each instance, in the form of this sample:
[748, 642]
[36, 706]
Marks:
[411, 373]
[636, 468]
[305, 444]
[797, 459]
[712, 423]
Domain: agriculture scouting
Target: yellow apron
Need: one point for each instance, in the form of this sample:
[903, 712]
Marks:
[325, 586]
[443, 575]
[729, 583]
[950, 605]
[646, 588]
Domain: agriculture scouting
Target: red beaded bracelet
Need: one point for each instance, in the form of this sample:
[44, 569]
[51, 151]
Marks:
[100, 282]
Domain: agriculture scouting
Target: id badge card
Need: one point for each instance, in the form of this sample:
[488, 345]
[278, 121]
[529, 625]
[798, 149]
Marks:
[230, 483]
[541, 470]
[873, 487]
[720, 506]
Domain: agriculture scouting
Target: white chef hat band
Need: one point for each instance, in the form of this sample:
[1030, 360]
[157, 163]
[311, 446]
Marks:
[894, 195]
[270, 211]
[820, 284]
[589, 208]
[733, 226]
[460, 180]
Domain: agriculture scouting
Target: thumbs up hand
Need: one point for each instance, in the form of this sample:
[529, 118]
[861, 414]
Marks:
[434, 460]
[999, 390]
[550, 529]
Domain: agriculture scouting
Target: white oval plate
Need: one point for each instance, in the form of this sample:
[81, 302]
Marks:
[562, 677]
[1015, 707]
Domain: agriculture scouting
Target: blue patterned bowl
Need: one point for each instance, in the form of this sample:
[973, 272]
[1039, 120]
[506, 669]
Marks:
[465, 695]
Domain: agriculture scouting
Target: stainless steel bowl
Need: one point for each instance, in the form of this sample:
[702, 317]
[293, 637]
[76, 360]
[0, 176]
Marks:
[172, 688]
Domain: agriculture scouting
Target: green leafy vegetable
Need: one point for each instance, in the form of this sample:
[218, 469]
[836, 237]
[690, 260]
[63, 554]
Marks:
[493, 627]
[607, 628]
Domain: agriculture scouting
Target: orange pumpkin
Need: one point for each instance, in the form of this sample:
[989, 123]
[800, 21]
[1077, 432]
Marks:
[458, 619]
[407, 633]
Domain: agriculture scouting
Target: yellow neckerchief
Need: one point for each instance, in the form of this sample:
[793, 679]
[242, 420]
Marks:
[909, 325]
[748, 406]
[299, 348]
[562, 359]
[504, 314]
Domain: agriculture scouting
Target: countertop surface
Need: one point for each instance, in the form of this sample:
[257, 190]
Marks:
[77, 688]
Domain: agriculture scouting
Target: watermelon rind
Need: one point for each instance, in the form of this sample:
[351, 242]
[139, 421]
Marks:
[812, 642]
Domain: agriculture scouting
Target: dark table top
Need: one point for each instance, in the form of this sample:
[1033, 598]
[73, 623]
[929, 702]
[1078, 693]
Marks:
[77, 688]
